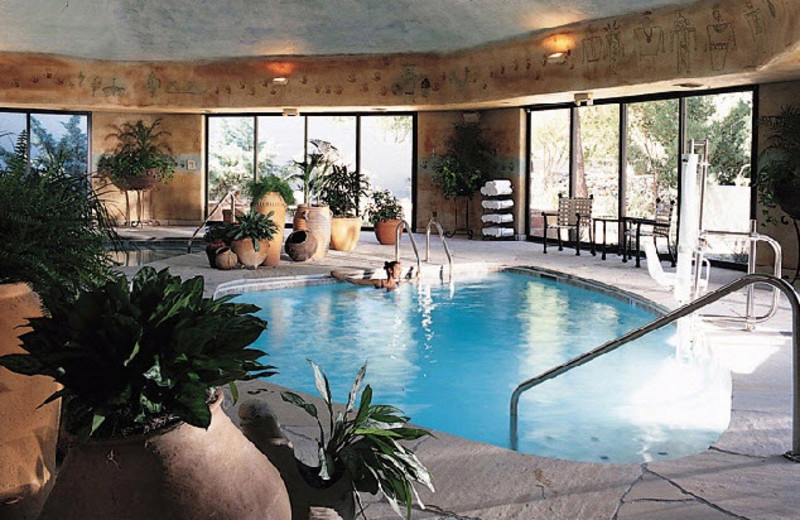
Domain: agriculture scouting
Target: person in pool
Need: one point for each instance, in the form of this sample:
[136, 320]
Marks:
[394, 271]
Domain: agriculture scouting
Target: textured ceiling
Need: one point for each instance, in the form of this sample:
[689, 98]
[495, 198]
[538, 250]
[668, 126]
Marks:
[142, 30]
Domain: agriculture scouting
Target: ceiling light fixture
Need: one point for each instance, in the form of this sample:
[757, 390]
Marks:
[291, 112]
[558, 57]
[690, 84]
[280, 81]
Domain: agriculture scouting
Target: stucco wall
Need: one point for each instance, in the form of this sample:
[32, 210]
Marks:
[181, 200]
[771, 98]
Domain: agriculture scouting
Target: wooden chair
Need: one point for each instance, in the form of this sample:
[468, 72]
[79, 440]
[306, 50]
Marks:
[573, 213]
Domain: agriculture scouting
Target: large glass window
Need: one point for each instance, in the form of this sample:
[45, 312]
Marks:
[725, 121]
[235, 158]
[652, 168]
[549, 163]
[387, 144]
[54, 141]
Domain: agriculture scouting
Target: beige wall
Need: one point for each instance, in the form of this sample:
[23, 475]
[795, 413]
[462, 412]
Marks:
[181, 200]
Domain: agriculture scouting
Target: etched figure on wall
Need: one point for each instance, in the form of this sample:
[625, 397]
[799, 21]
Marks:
[754, 20]
[650, 39]
[613, 49]
[683, 41]
[592, 53]
[721, 39]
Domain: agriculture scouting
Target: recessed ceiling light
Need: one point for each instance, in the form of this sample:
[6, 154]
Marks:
[558, 57]
[280, 81]
[690, 85]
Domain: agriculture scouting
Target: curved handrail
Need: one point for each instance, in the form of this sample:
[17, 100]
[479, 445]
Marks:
[745, 281]
[432, 222]
[398, 231]
[232, 195]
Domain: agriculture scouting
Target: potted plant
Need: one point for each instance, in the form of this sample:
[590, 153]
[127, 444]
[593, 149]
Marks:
[214, 237]
[385, 213]
[363, 449]
[140, 364]
[56, 236]
[269, 195]
[342, 190]
[311, 215]
[779, 177]
[252, 237]
[465, 166]
[141, 158]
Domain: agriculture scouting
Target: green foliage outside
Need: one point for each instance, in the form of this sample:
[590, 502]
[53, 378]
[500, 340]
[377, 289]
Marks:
[54, 229]
[365, 443]
[132, 359]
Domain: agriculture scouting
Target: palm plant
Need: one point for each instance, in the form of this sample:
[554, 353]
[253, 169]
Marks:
[140, 152]
[314, 168]
[342, 190]
[365, 444]
[270, 183]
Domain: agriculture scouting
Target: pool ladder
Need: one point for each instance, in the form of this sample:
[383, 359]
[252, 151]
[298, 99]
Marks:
[431, 223]
[745, 281]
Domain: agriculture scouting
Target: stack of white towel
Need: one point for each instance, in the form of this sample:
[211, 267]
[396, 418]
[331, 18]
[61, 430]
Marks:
[495, 188]
[498, 204]
[497, 232]
[498, 218]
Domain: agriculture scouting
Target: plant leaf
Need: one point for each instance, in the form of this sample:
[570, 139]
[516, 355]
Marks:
[296, 400]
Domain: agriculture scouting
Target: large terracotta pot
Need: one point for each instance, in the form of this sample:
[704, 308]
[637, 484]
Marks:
[317, 220]
[247, 254]
[345, 232]
[179, 473]
[273, 201]
[225, 259]
[300, 245]
[386, 231]
[28, 434]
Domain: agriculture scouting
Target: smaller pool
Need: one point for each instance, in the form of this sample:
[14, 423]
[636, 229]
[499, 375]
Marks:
[451, 360]
[133, 254]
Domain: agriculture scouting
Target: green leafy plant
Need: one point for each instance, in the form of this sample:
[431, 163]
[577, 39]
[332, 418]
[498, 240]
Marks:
[312, 169]
[366, 444]
[383, 206]
[268, 183]
[55, 231]
[134, 357]
[140, 152]
[254, 226]
[218, 231]
[778, 180]
[467, 163]
[342, 190]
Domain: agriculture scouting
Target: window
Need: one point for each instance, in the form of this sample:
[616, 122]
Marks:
[235, 158]
[549, 163]
[725, 121]
[45, 141]
[387, 155]
[652, 169]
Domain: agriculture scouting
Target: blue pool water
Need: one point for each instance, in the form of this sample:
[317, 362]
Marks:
[450, 360]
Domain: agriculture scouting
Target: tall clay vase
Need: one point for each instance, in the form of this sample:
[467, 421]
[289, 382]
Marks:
[28, 434]
[317, 220]
[273, 201]
[178, 473]
[386, 231]
[345, 232]
[247, 254]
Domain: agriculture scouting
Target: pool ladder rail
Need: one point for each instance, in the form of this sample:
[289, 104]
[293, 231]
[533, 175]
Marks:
[431, 223]
[745, 281]
[230, 195]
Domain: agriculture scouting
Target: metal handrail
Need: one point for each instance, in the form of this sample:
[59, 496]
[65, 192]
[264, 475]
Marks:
[745, 281]
[398, 231]
[231, 194]
[753, 237]
[432, 222]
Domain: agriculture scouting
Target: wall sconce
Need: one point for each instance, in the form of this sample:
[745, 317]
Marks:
[280, 81]
[558, 57]
[291, 112]
[471, 117]
[586, 98]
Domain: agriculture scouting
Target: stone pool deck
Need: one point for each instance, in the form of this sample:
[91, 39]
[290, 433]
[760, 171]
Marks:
[743, 475]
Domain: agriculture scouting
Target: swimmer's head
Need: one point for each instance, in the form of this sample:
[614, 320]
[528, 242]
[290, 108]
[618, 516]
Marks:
[393, 269]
